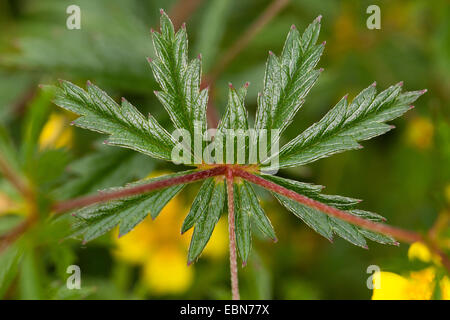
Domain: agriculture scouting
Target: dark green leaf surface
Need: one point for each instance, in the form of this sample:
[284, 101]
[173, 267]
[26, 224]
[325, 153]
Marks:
[289, 78]
[346, 124]
[206, 211]
[178, 78]
[323, 224]
[126, 125]
[248, 212]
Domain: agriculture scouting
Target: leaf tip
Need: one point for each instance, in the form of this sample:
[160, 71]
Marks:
[324, 43]
[391, 126]
[89, 83]
[374, 84]
[183, 25]
[400, 84]
[149, 60]
[411, 107]
[321, 70]
[423, 91]
[396, 243]
[152, 30]
[270, 53]
[275, 240]
[244, 263]
[189, 263]
[161, 11]
[246, 84]
[83, 242]
[365, 247]
[319, 18]
[293, 27]
[230, 85]
[199, 57]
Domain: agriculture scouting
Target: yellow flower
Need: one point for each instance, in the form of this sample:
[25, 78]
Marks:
[56, 133]
[420, 132]
[419, 251]
[447, 193]
[159, 248]
[419, 285]
[8, 205]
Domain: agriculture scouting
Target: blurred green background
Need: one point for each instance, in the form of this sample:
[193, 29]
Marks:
[403, 175]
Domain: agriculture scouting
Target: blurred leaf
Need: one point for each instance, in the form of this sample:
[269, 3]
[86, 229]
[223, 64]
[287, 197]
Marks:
[103, 169]
[9, 262]
[211, 30]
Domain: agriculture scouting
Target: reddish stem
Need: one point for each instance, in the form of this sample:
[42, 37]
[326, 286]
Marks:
[397, 233]
[182, 10]
[88, 200]
[15, 179]
[232, 236]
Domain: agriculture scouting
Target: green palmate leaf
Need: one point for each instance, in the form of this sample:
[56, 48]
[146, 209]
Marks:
[95, 220]
[326, 225]
[346, 124]
[204, 215]
[289, 78]
[126, 125]
[179, 80]
[9, 262]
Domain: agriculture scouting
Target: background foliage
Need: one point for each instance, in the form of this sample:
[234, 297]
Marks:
[403, 175]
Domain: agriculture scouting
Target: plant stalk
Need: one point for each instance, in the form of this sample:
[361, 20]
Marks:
[160, 184]
[397, 233]
[232, 236]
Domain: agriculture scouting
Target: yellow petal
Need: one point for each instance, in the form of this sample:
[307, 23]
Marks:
[392, 287]
[447, 193]
[135, 246]
[55, 133]
[421, 284]
[166, 271]
[420, 132]
[445, 288]
[419, 251]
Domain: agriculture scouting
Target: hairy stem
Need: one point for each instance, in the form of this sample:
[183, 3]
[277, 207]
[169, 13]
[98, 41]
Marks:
[232, 235]
[160, 184]
[397, 233]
